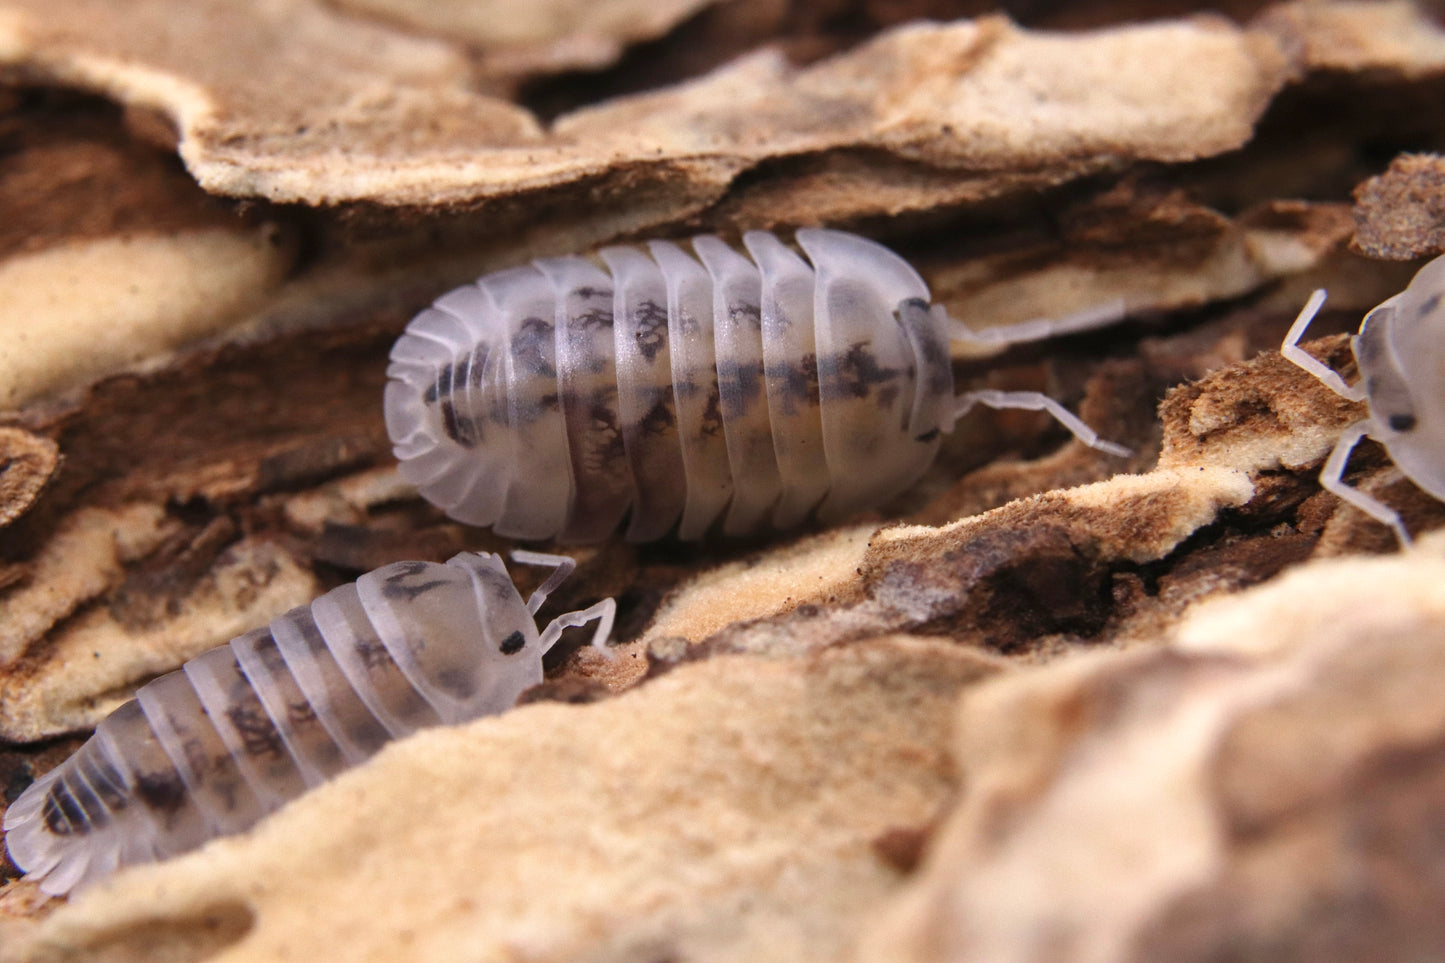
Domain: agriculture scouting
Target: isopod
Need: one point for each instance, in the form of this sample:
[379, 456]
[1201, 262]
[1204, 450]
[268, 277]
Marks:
[1400, 351]
[238, 731]
[556, 399]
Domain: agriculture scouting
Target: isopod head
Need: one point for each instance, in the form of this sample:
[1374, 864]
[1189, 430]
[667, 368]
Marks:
[1401, 353]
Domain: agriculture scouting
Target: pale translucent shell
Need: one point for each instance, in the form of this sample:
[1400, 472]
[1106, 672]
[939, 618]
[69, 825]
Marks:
[1401, 353]
[678, 391]
[209, 749]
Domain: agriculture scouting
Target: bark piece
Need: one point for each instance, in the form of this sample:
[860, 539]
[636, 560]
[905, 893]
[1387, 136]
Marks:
[295, 102]
[93, 660]
[84, 558]
[78, 310]
[1395, 38]
[27, 463]
[1269, 785]
[553, 35]
[1401, 213]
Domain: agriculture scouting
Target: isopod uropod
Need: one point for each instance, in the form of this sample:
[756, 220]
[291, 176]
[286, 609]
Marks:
[209, 749]
[1400, 351]
[550, 400]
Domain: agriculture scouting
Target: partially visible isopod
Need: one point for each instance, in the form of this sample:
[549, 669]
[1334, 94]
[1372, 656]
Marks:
[209, 749]
[1400, 350]
[677, 389]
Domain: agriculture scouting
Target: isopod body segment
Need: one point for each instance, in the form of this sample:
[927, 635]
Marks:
[1400, 351]
[678, 390]
[238, 731]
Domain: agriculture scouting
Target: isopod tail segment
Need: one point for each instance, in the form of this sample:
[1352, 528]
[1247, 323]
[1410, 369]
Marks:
[1036, 329]
[1399, 353]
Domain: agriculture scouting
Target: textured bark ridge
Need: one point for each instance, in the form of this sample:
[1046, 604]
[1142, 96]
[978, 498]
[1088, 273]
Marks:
[1048, 705]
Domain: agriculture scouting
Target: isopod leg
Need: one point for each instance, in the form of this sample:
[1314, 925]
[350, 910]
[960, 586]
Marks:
[1035, 401]
[603, 612]
[562, 566]
[1332, 480]
[1040, 329]
[1291, 350]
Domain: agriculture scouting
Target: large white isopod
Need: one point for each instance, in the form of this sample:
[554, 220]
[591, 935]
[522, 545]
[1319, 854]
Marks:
[678, 389]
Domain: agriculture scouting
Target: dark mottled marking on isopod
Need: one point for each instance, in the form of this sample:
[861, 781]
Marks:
[513, 643]
[442, 386]
[395, 586]
[162, 792]
[660, 418]
[651, 333]
[451, 424]
[932, 348]
[887, 395]
[1430, 304]
[859, 371]
[593, 319]
[532, 347]
[456, 683]
[300, 714]
[109, 785]
[740, 311]
[63, 813]
[608, 446]
[741, 392]
[712, 419]
[799, 383]
[258, 733]
[373, 654]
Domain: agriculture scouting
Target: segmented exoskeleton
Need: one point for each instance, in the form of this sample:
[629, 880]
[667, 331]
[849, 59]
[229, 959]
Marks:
[209, 749]
[677, 389]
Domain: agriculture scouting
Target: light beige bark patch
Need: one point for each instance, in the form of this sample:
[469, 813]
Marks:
[77, 310]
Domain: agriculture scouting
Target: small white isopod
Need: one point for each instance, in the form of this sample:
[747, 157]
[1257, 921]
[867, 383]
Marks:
[549, 401]
[209, 749]
[1400, 351]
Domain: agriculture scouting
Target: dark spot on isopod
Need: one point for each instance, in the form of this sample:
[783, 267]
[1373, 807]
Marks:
[1430, 304]
[712, 419]
[161, 791]
[659, 419]
[651, 329]
[513, 643]
[859, 371]
[1405, 422]
[300, 714]
[799, 383]
[258, 733]
[394, 586]
[373, 654]
[608, 446]
[742, 391]
[740, 311]
[63, 813]
[533, 346]
[593, 319]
